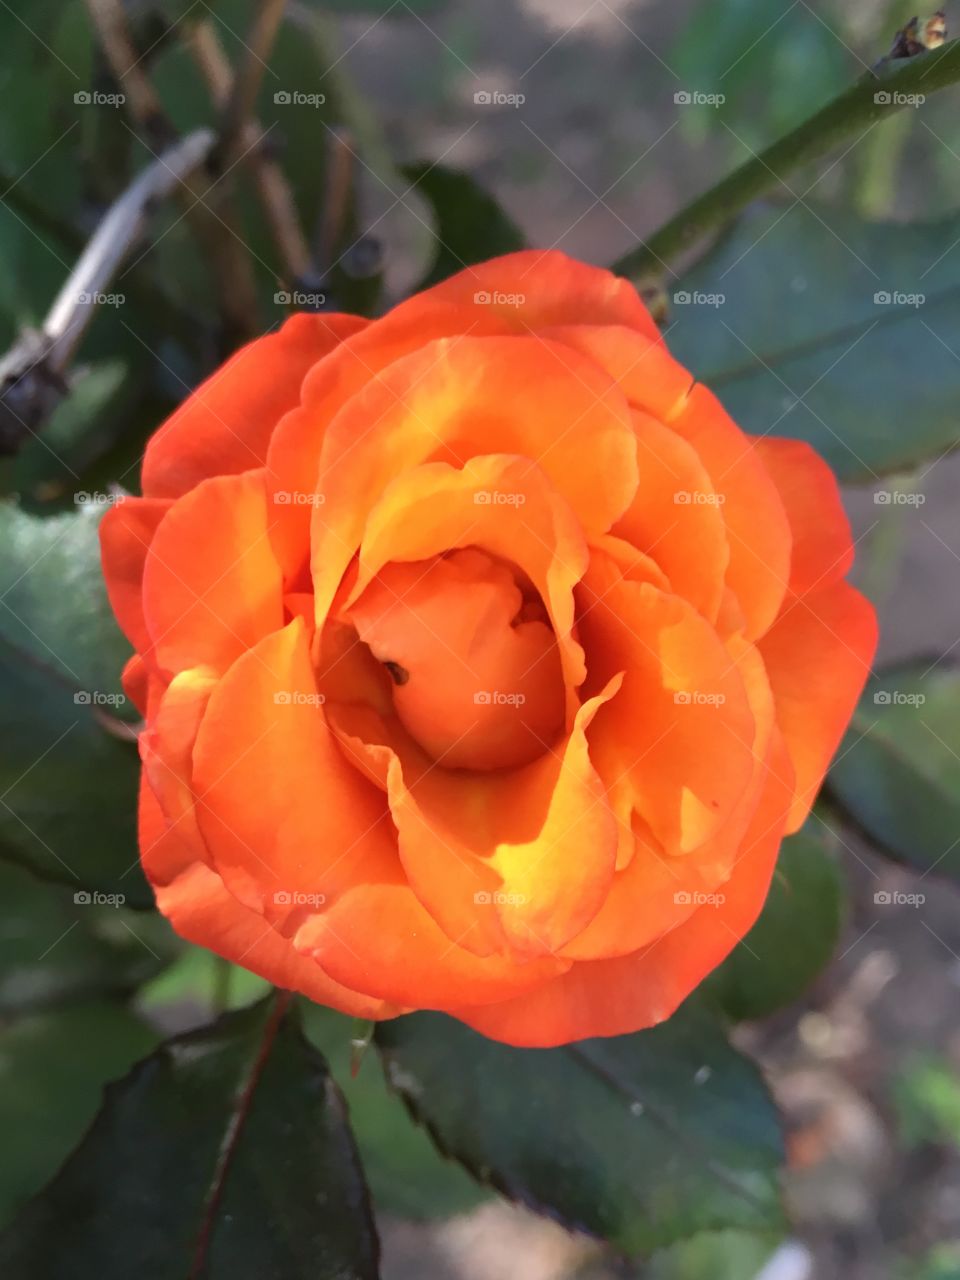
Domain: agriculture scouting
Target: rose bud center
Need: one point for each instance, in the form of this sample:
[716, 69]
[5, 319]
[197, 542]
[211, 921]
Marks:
[473, 658]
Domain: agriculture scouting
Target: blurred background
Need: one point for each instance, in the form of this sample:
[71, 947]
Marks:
[590, 123]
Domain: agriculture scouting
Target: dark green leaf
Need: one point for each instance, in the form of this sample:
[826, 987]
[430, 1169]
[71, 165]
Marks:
[406, 1175]
[794, 937]
[69, 788]
[642, 1139]
[469, 224]
[799, 346]
[53, 605]
[898, 769]
[53, 1067]
[54, 949]
[224, 1154]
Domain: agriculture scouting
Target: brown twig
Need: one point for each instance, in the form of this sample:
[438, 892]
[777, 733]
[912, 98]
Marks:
[272, 186]
[145, 106]
[241, 102]
[213, 228]
[335, 215]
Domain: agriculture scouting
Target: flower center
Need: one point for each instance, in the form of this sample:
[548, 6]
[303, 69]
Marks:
[475, 666]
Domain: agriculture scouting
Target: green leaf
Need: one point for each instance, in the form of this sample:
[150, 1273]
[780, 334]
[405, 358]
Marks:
[54, 949]
[53, 1067]
[54, 606]
[406, 1175]
[714, 1255]
[794, 937]
[897, 772]
[794, 343]
[68, 788]
[224, 1154]
[81, 428]
[469, 224]
[641, 1140]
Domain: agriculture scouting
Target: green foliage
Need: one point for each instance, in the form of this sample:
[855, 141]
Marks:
[641, 1139]
[871, 385]
[794, 936]
[469, 224]
[54, 949]
[898, 771]
[234, 1148]
[406, 1175]
[53, 1067]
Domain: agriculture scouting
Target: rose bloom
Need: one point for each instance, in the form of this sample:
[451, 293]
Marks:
[484, 660]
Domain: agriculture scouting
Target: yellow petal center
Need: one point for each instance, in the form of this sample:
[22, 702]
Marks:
[476, 671]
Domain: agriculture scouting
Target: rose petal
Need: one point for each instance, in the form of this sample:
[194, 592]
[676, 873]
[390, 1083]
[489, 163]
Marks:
[454, 400]
[225, 425]
[822, 543]
[211, 586]
[681, 728]
[758, 533]
[818, 656]
[284, 814]
[126, 533]
[614, 997]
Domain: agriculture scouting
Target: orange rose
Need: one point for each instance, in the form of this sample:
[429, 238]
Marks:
[484, 660]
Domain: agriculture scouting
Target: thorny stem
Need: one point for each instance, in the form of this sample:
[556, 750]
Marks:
[856, 109]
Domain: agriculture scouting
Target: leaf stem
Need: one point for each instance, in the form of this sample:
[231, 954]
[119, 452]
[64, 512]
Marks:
[894, 82]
